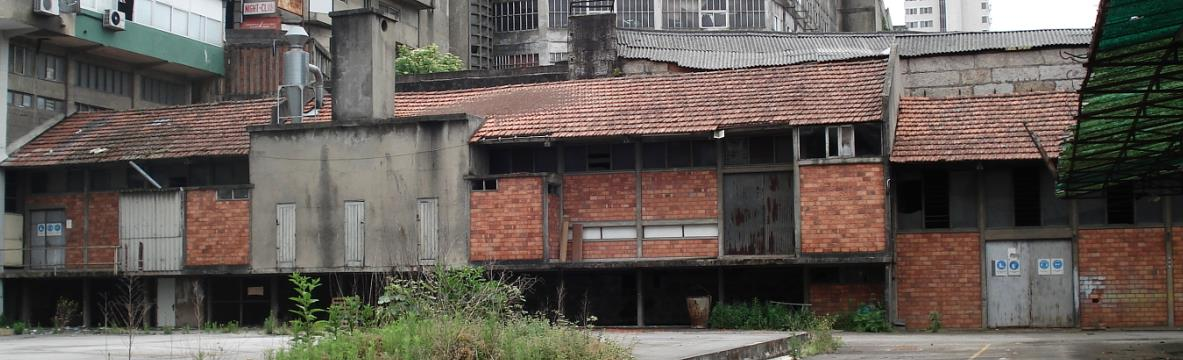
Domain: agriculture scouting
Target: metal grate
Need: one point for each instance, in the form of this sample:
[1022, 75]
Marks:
[515, 61]
[515, 15]
[747, 14]
[680, 14]
[635, 14]
[560, 13]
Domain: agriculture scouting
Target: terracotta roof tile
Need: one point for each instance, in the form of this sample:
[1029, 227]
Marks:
[681, 103]
[982, 127]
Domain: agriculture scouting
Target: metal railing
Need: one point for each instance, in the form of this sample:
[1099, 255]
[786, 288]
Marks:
[92, 258]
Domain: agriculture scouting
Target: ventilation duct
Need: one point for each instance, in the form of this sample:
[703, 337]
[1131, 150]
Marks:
[296, 89]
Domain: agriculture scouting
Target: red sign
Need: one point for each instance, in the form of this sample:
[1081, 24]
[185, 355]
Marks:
[260, 22]
[258, 8]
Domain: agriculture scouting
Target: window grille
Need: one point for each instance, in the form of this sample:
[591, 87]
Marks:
[515, 61]
[560, 13]
[747, 14]
[635, 13]
[712, 14]
[557, 57]
[680, 14]
[515, 15]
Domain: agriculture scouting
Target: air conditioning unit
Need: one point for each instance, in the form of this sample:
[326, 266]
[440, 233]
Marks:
[114, 20]
[46, 7]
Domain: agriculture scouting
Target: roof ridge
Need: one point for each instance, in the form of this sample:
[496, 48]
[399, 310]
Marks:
[988, 96]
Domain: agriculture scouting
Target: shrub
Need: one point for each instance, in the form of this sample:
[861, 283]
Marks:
[464, 292]
[871, 318]
[934, 321]
[759, 315]
[350, 313]
[65, 312]
[18, 327]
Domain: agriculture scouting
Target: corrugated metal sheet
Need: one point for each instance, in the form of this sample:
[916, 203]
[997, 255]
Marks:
[355, 232]
[428, 217]
[716, 50]
[285, 235]
[150, 230]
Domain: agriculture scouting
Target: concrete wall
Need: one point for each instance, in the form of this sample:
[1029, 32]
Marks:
[985, 73]
[389, 165]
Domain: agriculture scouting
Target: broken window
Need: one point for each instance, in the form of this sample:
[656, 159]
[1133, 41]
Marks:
[599, 157]
[1119, 205]
[758, 150]
[484, 184]
[841, 141]
[936, 200]
[1025, 190]
[522, 160]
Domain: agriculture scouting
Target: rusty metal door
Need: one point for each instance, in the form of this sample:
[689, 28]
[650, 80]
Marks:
[355, 233]
[47, 240]
[285, 235]
[1029, 284]
[758, 214]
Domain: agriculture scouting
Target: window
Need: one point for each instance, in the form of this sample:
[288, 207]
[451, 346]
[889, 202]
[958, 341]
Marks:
[634, 14]
[926, 24]
[515, 15]
[936, 199]
[484, 185]
[560, 12]
[747, 14]
[678, 154]
[162, 92]
[913, 24]
[985, 19]
[985, 6]
[48, 104]
[19, 99]
[103, 79]
[841, 141]
[758, 150]
[161, 15]
[230, 173]
[712, 14]
[1121, 205]
[609, 232]
[522, 160]
[681, 231]
[515, 61]
[80, 107]
[910, 11]
[100, 180]
[680, 14]
[1026, 195]
[50, 67]
[20, 60]
[234, 194]
[558, 57]
[599, 157]
[926, 10]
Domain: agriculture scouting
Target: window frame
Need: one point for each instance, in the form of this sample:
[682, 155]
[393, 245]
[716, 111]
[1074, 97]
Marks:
[714, 12]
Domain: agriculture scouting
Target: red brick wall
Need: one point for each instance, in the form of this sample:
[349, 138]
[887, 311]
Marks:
[670, 195]
[1126, 270]
[506, 223]
[554, 223]
[680, 248]
[600, 197]
[939, 272]
[843, 298]
[216, 232]
[103, 223]
[609, 249]
[1177, 243]
[842, 208]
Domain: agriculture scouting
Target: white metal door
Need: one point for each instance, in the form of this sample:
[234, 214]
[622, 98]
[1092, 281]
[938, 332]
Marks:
[355, 232]
[150, 230]
[285, 235]
[166, 301]
[428, 217]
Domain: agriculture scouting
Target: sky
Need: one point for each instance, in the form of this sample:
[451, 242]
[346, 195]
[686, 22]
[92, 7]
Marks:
[1027, 14]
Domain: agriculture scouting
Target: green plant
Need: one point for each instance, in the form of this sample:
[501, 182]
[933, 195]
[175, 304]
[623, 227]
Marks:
[269, 325]
[350, 313]
[462, 292]
[65, 312]
[934, 321]
[18, 327]
[425, 60]
[758, 315]
[306, 324]
[229, 327]
[871, 318]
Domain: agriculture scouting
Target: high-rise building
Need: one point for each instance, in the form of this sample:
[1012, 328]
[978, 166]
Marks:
[947, 15]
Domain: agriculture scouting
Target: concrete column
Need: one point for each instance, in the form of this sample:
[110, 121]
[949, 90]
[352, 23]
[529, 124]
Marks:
[640, 298]
[3, 154]
[275, 298]
[86, 303]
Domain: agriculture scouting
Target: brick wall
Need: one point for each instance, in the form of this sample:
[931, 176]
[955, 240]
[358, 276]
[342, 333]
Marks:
[600, 197]
[1177, 242]
[216, 232]
[609, 249]
[939, 272]
[506, 223]
[1125, 271]
[670, 195]
[554, 223]
[842, 208]
[103, 225]
[843, 298]
[680, 248]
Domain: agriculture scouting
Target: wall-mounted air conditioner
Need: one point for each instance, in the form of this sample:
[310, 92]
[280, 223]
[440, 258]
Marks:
[46, 7]
[114, 20]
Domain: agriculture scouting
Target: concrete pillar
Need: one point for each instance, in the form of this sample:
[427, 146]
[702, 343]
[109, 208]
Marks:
[3, 154]
[640, 298]
[275, 298]
[86, 303]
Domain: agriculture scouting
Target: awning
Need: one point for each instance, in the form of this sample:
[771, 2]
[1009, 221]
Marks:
[1130, 123]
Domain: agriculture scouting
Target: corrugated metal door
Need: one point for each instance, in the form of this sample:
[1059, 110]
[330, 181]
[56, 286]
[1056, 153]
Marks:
[285, 235]
[47, 240]
[428, 217]
[151, 230]
[758, 214]
[1030, 296]
[355, 232]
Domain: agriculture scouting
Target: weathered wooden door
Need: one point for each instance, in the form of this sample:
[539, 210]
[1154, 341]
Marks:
[1029, 284]
[355, 233]
[758, 214]
[285, 235]
[428, 218]
[150, 230]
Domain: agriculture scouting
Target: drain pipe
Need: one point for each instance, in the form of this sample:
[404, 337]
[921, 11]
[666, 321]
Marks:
[144, 174]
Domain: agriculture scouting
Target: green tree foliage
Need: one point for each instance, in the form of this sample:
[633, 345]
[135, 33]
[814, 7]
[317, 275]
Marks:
[425, 60]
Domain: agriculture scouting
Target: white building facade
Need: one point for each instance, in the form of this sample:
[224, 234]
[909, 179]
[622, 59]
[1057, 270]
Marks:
[947, 15]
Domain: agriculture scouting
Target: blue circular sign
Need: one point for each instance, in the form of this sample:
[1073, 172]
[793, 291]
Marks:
[1058, 264]
[1044, 264]
[1014, 265]
[1001, 264]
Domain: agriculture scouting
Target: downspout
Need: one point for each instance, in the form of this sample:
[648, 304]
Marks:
[144, 174]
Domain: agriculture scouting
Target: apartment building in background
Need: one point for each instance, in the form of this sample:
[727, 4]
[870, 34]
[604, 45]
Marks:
[947, 15]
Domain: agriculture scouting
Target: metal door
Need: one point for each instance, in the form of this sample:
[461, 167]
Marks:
[1029, 296]
[285, 235]
[150, 230]
[47, 240]
[428, 217]
[758, 214]
[355, 232]
[166, 301]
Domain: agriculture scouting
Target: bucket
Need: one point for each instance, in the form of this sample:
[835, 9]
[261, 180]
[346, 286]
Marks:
[700, 310]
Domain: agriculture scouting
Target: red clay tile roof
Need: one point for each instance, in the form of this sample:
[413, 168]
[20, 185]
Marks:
[982, 127]
[816, 93]
[839, 92]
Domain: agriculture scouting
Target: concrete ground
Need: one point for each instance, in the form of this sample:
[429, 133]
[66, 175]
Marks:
[240, 346]
[1012, 345]
[656, 344]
